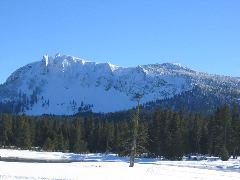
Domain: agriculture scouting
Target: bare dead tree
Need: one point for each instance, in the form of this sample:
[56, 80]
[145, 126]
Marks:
[135, 134]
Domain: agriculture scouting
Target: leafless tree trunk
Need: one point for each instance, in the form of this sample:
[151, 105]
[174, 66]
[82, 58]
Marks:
[135, 134]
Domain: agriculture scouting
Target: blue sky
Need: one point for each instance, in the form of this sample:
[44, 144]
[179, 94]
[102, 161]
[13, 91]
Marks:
[201, 34]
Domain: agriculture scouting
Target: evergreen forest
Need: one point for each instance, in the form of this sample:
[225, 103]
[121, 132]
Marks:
[161, 133]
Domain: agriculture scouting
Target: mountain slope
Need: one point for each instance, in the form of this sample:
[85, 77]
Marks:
[66, 85]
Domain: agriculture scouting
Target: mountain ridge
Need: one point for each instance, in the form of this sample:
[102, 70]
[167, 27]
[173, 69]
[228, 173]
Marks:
[65, 85]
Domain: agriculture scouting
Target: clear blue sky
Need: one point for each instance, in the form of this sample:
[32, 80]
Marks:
[201, 34]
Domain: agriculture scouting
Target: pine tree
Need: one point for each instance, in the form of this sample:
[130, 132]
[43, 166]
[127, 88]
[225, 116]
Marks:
[204, 143]
[157, 129]
[235, 129]
[175, 149]
[48, 145]
[219, 128]
[195, 134]
[6, 133]
[216, 133]
[142, 139]
[125, 138]
[26, 136]
[226, 113]
[60, 141]
[90, 136]
[224, 155]
[77, 143]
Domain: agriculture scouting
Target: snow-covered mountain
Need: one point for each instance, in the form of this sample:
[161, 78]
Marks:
[65, 85]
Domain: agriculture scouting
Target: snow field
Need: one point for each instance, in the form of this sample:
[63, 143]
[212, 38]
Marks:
[110, 166]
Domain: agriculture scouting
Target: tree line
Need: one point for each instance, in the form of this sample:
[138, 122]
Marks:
[167, 133]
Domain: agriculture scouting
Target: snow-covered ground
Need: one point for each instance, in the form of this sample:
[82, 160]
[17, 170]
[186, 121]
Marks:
[110, 166]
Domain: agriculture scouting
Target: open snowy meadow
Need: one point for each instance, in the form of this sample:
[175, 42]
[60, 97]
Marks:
[110, 166]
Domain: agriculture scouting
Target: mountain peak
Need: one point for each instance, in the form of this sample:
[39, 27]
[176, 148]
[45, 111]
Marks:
[175, 64]
[64, 61]
[45, 59]
[112, 66]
